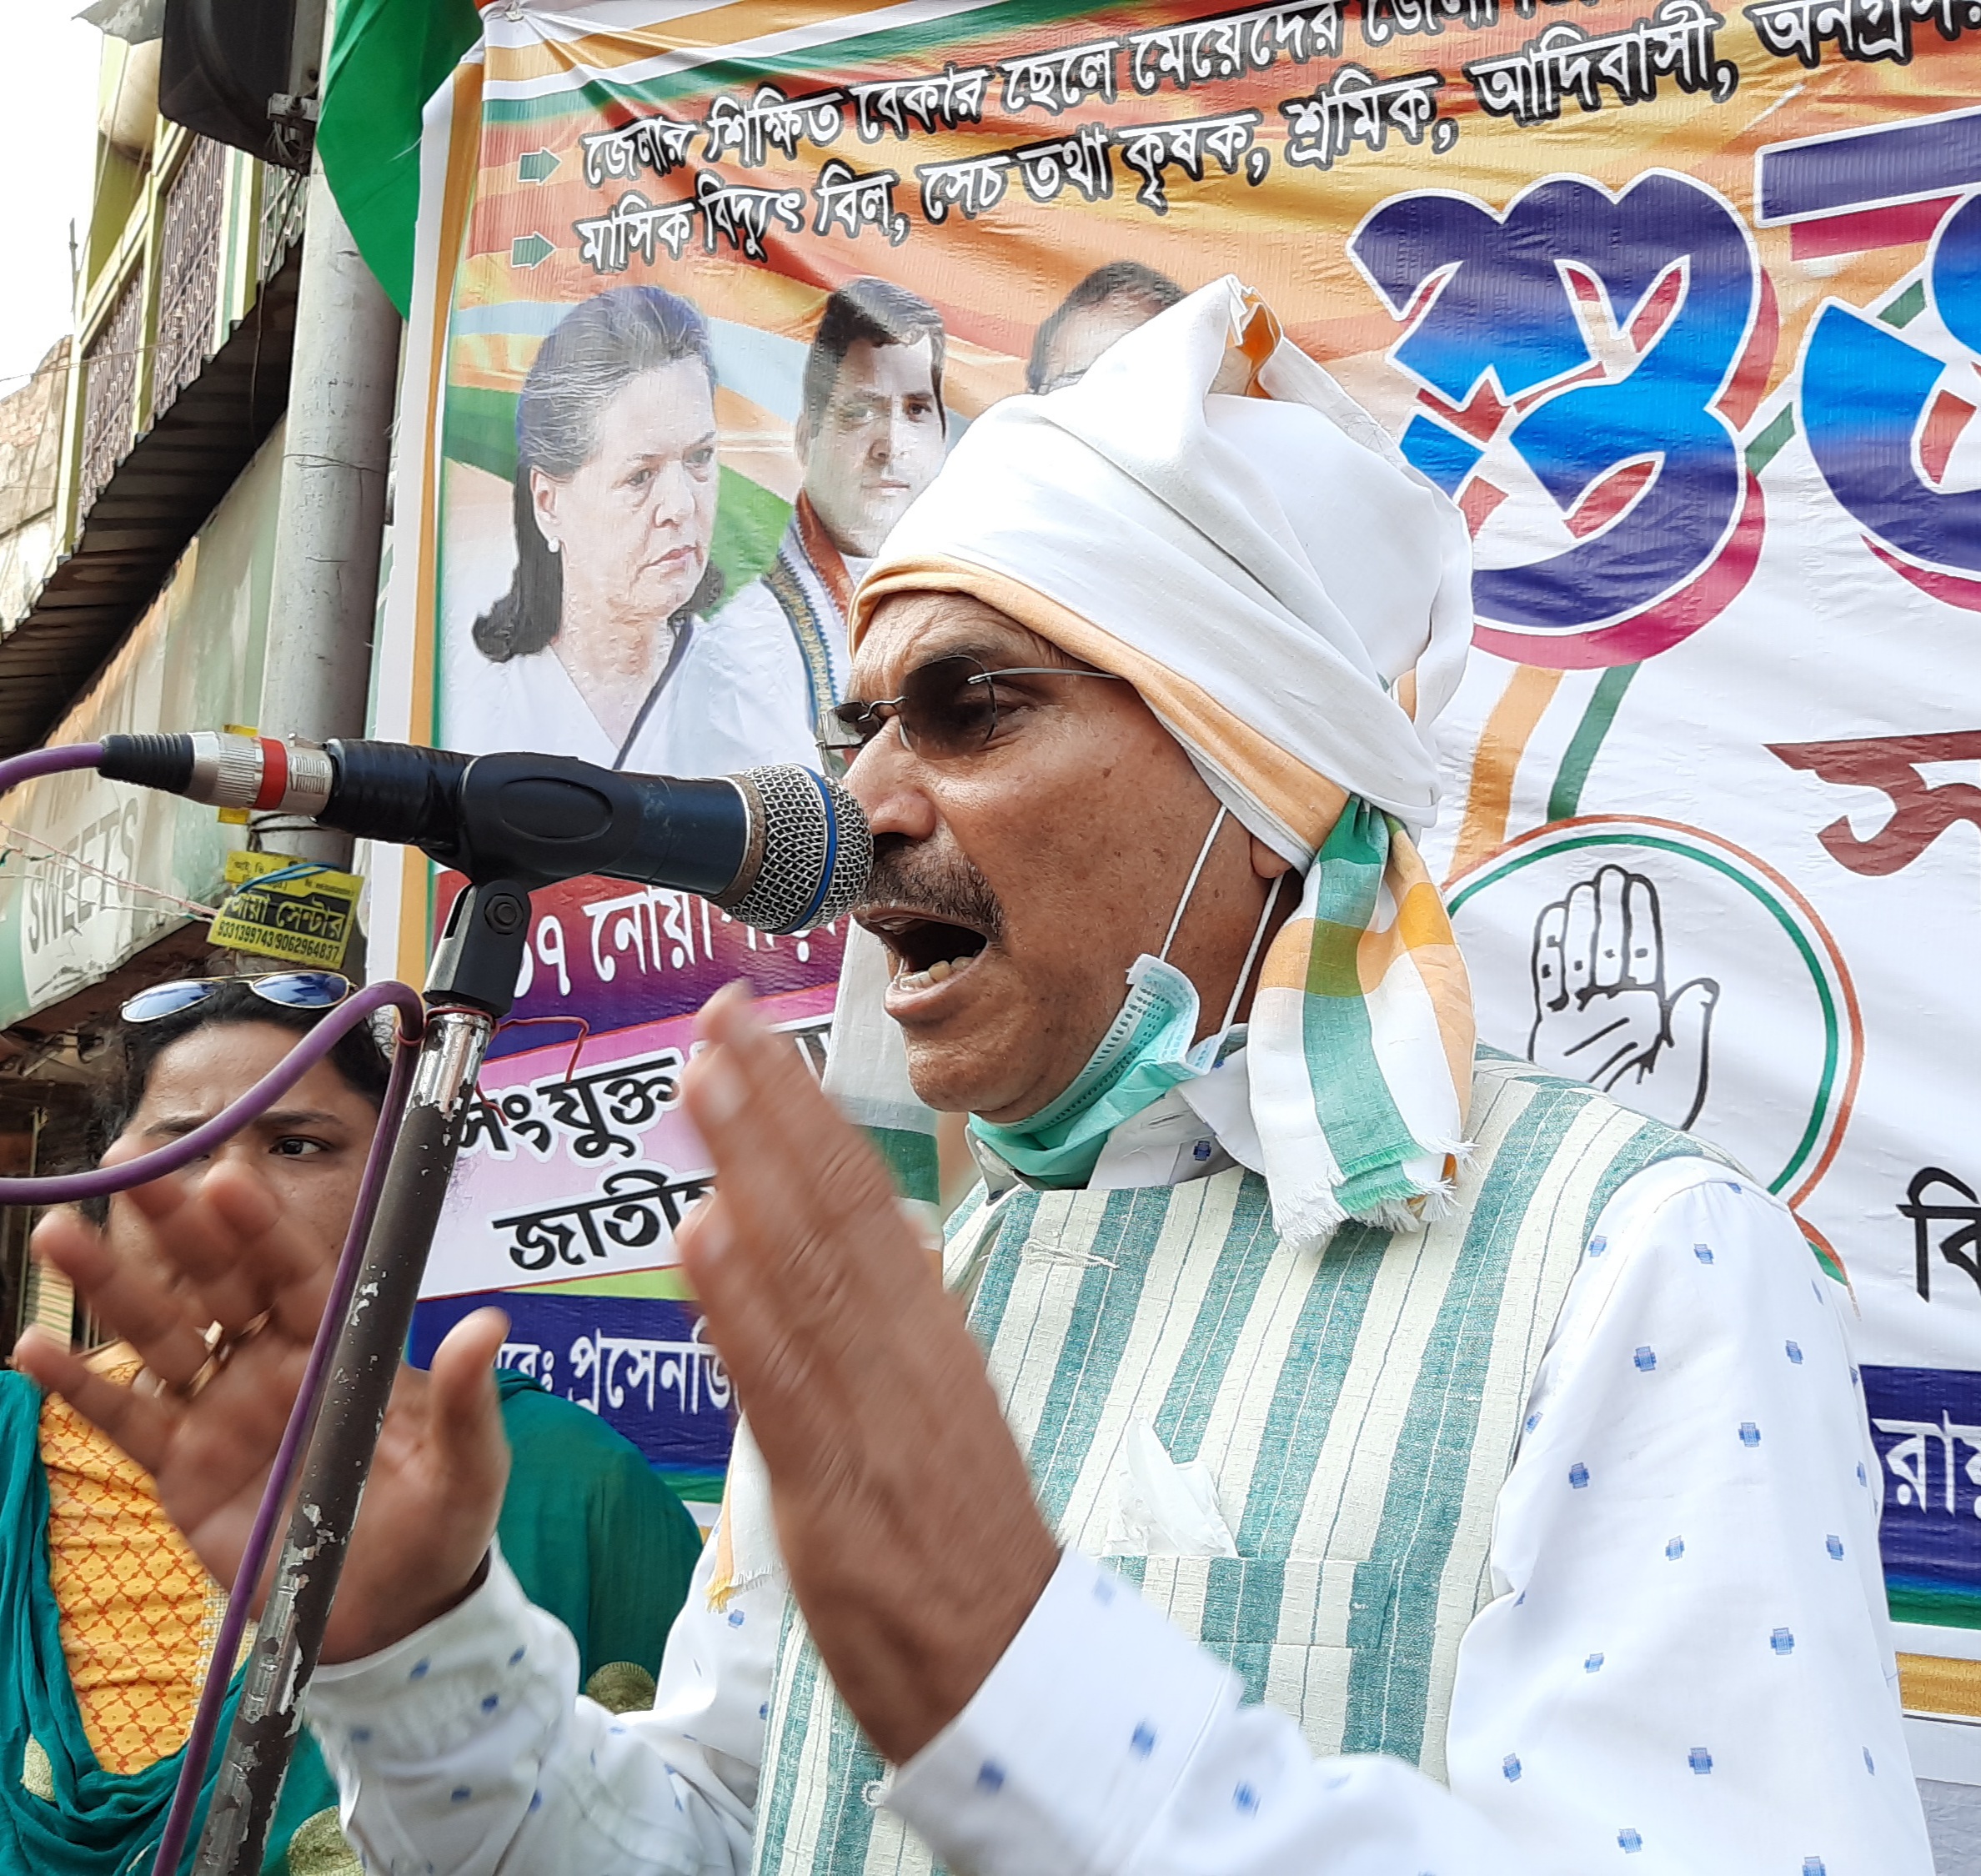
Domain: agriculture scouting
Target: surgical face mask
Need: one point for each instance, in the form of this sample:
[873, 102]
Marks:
[1146, 1052]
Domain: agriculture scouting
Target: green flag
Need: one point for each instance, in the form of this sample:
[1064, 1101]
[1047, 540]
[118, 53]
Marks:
[387, 58]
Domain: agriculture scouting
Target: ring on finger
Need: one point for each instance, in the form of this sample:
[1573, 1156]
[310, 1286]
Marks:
[193, 1388]
[221, 1346]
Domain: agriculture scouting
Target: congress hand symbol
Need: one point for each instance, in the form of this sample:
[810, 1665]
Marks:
[1601, 1011]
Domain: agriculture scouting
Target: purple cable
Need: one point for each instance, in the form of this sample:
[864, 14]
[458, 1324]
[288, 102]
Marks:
[212, 1696]
[19, 769]
[65, 1188]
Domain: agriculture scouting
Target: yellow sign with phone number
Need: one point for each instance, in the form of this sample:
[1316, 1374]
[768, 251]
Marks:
[278, 906]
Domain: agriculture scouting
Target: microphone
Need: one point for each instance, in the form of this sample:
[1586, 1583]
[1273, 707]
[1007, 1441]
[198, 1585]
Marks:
[779, 847]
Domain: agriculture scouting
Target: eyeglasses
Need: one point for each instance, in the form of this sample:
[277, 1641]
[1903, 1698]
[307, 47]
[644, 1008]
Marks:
[294, 990]
[948, 708]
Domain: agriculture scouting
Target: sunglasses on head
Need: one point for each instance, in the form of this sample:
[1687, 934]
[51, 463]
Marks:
[947, 708]
[294, 990]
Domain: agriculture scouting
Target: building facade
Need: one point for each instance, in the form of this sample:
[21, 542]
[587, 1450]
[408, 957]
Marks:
[139, 495]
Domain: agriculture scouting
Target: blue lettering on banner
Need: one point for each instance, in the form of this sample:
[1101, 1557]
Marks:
[1927, 1425]
[643, 1364]
[1504, 309]
[1865, 393]
[1864, 168]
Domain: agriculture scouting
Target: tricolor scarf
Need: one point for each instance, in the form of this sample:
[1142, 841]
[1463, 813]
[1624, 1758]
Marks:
[1361, 1041]
[1207, 514]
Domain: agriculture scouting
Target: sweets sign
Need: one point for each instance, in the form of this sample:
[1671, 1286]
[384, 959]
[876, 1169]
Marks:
[1681, 304]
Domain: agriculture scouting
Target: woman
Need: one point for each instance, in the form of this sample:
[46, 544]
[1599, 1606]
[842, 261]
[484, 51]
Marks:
[107, 1617]
[602, 647]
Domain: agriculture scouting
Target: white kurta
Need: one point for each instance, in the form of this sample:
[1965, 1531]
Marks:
[736, 699]
[1685, 1668]
[757, 606]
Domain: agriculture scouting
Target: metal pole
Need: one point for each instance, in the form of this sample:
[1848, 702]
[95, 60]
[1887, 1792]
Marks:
[335, 455]
[474, 968]
[290, 1636]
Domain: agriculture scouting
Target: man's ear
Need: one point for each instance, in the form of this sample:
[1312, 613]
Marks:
[1267, 863]
[801, 442]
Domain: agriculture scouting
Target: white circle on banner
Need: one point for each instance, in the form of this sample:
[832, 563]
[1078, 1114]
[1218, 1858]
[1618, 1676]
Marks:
[1679, 973]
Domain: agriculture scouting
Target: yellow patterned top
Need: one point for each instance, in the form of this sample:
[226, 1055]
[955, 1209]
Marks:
[138, 1615]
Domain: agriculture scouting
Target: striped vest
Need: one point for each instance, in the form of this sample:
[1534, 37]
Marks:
[1358, 1404]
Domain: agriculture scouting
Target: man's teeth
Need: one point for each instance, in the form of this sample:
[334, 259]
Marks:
[928, 978]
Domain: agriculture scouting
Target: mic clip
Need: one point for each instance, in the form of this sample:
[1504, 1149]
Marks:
[479, 956]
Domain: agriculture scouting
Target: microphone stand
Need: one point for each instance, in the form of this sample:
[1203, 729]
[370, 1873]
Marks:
[509, 823]
[469, 988]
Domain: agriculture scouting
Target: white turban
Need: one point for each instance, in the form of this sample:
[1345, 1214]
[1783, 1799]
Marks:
[1208, 515]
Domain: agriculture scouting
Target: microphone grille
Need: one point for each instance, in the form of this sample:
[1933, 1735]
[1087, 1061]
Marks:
[816, 851]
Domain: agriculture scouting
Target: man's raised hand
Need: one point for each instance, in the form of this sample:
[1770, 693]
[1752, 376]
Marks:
[903, 1507]
[179, 1258]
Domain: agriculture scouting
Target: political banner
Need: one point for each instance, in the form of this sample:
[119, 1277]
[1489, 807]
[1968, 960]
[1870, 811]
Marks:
[644, 1364]
[1682, 307]
[579, 1161]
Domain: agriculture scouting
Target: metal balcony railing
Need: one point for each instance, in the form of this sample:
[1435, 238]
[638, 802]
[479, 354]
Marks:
[221, 346]
[189, 271]
[109, 393]
[284, 192]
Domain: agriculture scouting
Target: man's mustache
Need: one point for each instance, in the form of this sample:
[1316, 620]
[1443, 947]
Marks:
[907, 877]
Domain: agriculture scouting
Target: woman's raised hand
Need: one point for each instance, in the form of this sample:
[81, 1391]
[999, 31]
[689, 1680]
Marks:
[181, 1264]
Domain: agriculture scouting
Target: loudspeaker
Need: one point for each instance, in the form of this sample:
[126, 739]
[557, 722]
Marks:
[245, 72]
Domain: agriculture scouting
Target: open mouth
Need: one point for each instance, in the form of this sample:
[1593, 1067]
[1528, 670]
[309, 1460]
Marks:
[926, 951]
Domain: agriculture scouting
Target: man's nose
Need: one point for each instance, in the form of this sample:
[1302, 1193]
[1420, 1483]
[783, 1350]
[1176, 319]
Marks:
[886, 778]
[888, 436]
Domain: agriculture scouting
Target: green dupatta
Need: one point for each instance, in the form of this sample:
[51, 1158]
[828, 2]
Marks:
[593, 1535]
[90, 1822]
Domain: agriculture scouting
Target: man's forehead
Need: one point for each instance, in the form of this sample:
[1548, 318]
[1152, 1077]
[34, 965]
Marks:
[913, 628]
[868, 369]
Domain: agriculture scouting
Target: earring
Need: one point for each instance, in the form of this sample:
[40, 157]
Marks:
[553, 544]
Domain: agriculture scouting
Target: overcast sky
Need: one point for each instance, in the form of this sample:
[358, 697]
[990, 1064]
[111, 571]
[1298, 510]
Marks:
[47, 144]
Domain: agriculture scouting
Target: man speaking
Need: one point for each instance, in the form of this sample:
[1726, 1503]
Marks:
[1357, 1459]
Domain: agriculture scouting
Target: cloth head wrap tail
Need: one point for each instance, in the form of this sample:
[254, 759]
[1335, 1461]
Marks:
[1209, 515]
